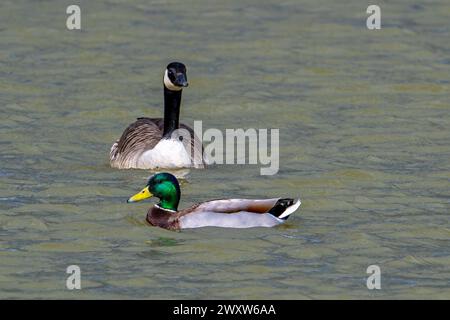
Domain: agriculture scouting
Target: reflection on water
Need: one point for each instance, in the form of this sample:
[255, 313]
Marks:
[363, 118]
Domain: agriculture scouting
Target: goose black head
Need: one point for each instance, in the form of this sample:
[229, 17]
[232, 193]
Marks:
[175, 77]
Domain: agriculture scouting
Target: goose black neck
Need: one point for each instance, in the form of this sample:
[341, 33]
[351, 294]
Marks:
[172, 101]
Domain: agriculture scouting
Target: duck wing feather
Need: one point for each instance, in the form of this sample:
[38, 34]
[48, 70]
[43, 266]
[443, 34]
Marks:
[232, 206]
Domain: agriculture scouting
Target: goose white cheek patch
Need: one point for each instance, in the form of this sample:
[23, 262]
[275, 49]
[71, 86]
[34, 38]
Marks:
[169, 85]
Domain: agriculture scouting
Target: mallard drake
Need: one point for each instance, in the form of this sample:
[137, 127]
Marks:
[151, 143]
[229, 213]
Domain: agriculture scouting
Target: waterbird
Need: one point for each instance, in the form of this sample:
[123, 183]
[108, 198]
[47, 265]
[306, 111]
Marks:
[228, 213]
[151, 143]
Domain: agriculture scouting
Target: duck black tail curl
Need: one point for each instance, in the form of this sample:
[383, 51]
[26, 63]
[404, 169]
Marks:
[284, 207]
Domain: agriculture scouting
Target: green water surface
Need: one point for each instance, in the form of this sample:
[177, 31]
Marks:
[364, 141]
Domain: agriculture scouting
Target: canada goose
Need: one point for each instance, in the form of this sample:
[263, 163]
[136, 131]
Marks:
[229, 213]
[151, 143]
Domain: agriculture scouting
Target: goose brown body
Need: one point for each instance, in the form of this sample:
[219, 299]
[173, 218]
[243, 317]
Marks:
[142, 136]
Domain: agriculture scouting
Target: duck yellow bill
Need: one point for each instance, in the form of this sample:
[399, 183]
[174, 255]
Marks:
[141, 195]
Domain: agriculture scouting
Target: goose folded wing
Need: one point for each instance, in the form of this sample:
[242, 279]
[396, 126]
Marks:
[141, 135]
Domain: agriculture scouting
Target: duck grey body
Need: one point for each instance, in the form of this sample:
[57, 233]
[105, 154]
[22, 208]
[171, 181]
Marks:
[236, 213]
[239, 219]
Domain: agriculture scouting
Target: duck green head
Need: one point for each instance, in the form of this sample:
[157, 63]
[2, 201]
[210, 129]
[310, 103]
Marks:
[163, 186]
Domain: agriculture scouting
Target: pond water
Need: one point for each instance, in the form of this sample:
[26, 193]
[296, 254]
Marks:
[364, 141]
